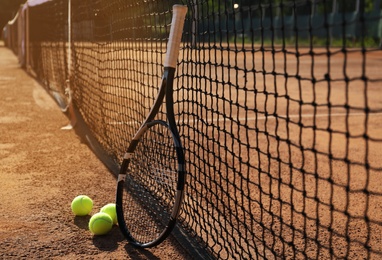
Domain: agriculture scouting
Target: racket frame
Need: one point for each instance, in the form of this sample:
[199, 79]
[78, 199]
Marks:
[165, 91]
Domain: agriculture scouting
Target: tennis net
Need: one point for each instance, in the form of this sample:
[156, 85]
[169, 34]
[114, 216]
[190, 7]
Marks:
[278, 103]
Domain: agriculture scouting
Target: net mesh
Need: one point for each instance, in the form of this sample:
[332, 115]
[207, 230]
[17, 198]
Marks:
[150, 185]
[278, 104]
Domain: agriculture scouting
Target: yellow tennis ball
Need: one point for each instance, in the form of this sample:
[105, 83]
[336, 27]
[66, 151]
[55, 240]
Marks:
[82, 205]
[100, 223]
[111, 211]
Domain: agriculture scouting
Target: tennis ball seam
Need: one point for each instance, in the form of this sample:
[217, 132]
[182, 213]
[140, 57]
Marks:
[97, 220]
[105, 219]
[84, 204]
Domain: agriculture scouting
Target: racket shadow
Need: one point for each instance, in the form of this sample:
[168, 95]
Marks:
[139, 253]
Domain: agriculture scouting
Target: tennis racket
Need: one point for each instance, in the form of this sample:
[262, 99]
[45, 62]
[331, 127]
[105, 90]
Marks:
[152, 175]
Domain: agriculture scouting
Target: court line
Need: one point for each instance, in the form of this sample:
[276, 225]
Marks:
[260, 118]
[309, 116]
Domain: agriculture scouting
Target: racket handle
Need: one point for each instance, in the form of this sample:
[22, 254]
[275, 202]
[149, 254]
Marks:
[177, 23]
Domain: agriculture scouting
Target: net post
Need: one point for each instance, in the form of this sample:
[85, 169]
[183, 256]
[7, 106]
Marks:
[71, 112]
[27, 43]
[194, 24]
[69, 48]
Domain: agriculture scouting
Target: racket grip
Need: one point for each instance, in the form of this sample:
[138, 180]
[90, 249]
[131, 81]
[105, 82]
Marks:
[177, 23]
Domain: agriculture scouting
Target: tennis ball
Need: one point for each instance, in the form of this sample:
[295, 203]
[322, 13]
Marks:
[82, 205]
[100, 223]
[111, 211]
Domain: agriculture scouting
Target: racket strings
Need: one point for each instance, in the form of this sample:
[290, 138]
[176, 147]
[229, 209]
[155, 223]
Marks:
[151, 184]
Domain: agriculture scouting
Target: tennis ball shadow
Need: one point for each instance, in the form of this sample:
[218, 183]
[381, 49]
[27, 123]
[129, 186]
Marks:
[82, 221]
[109, 241]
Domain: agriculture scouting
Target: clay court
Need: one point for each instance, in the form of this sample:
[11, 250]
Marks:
[278, 105]
[42, 168]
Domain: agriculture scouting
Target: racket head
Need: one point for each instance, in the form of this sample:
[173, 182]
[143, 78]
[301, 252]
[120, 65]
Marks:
[150, 194]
